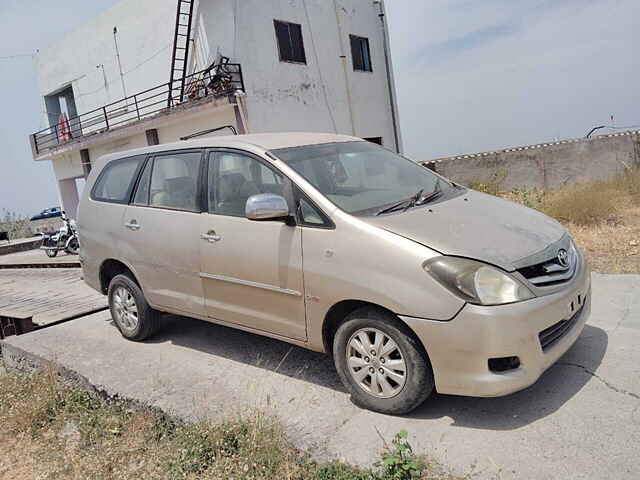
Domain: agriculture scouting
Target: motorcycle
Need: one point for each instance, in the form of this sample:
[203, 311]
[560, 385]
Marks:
[64, 239]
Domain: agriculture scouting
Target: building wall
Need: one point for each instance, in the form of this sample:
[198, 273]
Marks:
[548, 165]
[281, 96]
[285, 96]
[145, 38]
[320, 96]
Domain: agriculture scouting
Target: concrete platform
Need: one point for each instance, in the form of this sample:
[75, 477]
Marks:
[581, 420]
[38, 259]
[48, 295]
[19, 245]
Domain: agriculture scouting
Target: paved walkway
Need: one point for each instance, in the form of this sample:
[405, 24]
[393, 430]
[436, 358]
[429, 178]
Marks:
[581, 420]
[37, 258]
[48, 294]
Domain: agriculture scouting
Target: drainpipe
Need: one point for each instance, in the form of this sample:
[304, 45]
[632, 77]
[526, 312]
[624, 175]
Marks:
[345, 67]
[390, 81]
[115, 42]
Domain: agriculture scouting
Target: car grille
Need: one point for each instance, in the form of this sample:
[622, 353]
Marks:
[549, 336]
[550, 272]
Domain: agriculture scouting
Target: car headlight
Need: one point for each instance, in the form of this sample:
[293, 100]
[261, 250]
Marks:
[477, 282]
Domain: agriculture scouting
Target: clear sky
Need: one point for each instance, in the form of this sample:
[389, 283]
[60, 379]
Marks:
[472, 75]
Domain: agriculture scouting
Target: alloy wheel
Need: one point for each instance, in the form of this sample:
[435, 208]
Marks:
[376, 363]
[126, 310]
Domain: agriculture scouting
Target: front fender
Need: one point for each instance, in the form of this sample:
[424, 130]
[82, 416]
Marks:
[361, 262]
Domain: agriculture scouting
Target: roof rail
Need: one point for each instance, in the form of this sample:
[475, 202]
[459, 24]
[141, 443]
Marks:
[211, 130]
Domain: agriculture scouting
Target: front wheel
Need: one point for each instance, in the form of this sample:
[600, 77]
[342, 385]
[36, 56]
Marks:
[73, 246]
[381, 363]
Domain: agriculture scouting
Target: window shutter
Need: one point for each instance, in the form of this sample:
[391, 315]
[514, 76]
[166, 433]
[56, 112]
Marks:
[297, 43]
[356, 53]
[284, 42]
[366, 55]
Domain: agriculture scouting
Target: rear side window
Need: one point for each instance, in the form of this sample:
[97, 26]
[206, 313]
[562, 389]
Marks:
[142, 193]
[116, 180]
[174, 181]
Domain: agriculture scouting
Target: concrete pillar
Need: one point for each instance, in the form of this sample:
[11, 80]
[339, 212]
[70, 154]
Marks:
[86, 161]
[152, 137]
[239, 120]
[69, 196]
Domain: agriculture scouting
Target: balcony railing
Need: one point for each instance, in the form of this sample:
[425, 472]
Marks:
[217, 81]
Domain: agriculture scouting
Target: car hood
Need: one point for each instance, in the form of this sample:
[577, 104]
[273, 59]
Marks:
[476, 225]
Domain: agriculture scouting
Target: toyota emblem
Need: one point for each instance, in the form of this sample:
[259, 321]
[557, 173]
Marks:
[563, 257]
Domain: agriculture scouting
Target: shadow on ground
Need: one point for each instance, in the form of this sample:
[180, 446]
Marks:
[557, 386]
[251, 349]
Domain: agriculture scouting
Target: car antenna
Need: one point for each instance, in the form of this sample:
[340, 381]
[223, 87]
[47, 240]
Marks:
[211, 130]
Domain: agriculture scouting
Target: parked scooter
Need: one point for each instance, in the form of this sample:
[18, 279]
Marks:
[64, 239]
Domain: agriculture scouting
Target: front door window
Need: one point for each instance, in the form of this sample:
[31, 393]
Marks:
[235, 177]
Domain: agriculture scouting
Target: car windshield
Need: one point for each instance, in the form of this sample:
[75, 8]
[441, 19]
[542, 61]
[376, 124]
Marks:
[359, 177]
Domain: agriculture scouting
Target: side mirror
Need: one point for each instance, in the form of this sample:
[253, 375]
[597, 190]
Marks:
[266, 206]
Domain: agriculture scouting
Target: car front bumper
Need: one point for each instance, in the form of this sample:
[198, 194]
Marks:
[460, 349]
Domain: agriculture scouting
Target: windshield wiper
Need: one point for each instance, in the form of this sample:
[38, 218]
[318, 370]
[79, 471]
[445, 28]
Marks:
[413, 201]
[432, 196]
[407, 203]
[437, 191]
[395, 206]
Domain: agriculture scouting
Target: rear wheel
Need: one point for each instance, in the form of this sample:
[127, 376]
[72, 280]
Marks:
[51, 253]
[130, 311]
[381, 363]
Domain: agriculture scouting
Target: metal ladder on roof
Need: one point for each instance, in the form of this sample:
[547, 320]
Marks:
[180, 56]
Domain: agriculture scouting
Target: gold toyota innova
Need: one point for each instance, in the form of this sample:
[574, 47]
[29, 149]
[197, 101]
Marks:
[411, 282]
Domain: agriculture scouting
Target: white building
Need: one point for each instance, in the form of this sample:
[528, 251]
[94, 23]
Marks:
[294, 65]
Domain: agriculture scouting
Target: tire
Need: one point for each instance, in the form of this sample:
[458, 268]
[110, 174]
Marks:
[51, 253]
[73, 247]
[398, 396]
[139, 326]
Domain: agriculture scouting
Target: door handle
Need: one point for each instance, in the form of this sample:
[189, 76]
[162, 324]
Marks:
[133, 225]
[211, 236]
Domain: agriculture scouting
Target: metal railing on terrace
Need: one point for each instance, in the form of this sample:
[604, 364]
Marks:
[216, 81]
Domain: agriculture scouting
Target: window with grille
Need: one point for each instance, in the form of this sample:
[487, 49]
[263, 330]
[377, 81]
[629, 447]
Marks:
[361, 54]
[290, 42]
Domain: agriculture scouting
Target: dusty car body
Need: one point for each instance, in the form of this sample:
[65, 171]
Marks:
[411, 282]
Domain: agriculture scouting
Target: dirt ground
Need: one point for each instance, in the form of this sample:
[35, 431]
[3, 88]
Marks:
[612, 246]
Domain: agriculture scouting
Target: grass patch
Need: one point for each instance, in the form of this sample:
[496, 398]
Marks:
[588, 204]
[583, 205]
[56, 431]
